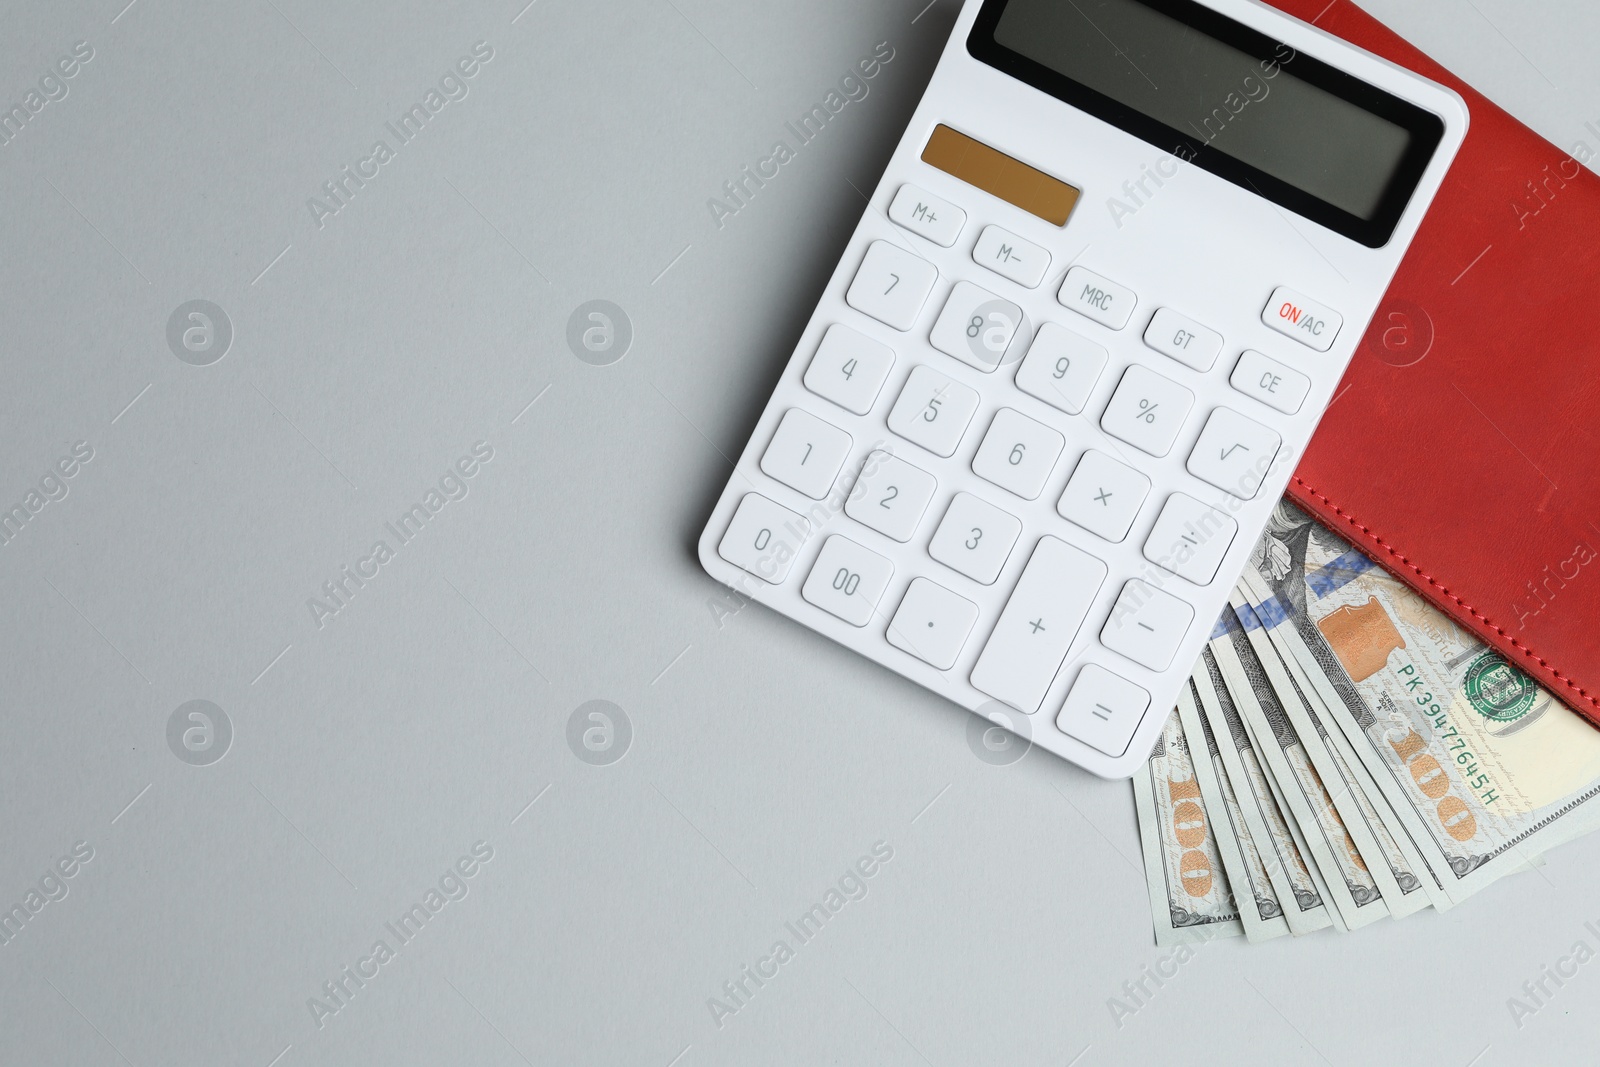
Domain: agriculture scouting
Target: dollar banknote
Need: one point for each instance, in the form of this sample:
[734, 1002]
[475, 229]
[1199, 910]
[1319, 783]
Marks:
[1190, 897]
[1272, 836]
[1352, 883]
[1365, 813]
[1482, 768]
[1256, 900]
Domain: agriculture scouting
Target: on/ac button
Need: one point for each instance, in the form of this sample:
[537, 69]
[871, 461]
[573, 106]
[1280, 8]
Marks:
[1294, 315]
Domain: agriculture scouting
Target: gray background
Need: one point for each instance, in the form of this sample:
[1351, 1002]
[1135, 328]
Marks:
[369, 754]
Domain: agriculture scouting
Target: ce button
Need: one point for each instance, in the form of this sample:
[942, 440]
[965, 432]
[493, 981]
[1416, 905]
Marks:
[1270, 382]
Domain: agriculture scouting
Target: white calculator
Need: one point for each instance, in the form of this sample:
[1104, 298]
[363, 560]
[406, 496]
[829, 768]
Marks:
[1069, 360]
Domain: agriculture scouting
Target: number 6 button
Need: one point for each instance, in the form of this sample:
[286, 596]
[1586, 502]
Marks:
[847, 580]
[890, 496]
[1018, 454]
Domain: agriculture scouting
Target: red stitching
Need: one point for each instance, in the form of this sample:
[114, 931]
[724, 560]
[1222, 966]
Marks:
[1566, 682]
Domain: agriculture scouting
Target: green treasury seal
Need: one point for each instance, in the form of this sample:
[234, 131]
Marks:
[1497, 690]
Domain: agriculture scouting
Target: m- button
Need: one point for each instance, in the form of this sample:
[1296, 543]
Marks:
[1293, 315]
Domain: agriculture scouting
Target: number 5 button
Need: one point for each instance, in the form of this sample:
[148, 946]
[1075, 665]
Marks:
[890, 496]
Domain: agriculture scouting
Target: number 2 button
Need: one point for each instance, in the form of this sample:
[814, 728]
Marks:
[890, 496]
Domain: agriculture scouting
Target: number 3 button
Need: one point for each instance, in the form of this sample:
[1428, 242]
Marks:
[890, 496]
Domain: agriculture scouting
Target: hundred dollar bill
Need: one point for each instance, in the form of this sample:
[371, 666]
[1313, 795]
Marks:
[1190, 899]
[1351, 882]
[1484, 768]
[1272, 838]
[1395, 870]
[1247, 875]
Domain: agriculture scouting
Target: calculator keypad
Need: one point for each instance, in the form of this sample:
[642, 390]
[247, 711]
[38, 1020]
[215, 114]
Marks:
[1124, 401]
[891, 285]
[933, 411]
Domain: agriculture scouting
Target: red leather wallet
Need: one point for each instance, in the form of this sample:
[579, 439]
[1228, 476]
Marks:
[1462, 450]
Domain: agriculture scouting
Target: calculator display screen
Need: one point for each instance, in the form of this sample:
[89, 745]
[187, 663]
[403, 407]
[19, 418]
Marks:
[1225, 97]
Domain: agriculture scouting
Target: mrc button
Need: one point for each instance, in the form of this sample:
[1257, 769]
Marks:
[1300, 317]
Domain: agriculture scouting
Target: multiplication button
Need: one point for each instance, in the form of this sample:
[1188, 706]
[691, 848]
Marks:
[1103, 496]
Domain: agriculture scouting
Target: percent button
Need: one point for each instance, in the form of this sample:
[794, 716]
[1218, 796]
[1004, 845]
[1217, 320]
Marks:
[1147, 411]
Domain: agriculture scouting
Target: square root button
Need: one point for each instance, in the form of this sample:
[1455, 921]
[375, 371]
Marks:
[1103, 710]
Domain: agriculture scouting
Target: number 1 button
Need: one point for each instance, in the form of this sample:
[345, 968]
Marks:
[806, 453]
[891, 285]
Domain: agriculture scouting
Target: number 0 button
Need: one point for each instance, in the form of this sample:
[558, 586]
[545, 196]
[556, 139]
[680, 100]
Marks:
[848, 580]
[890, 496]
